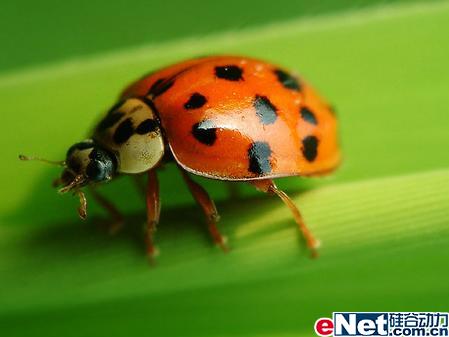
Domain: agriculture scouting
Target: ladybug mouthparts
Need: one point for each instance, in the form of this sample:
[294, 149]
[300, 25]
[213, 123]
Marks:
[69, 181]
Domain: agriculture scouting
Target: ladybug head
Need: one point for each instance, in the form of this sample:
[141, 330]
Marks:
[86, 163]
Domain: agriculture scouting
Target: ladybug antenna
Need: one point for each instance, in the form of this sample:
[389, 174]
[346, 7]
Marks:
[51, 162]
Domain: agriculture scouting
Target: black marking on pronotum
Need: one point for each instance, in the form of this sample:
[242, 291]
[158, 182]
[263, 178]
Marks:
[112, 117]
[308, 115]
[287, 80]
[160, 86]
[310, 148]
[266, 111]
[116, 106]
[123, 132]
[150, 103]
[110, 120]
[259, 158]
[195, 101]
[205, 132]
[229, 72]
[147, 126]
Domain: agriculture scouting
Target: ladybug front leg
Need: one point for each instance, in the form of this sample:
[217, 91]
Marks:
[207, 204]
[153, 212]
[268, 186]
[116, 217]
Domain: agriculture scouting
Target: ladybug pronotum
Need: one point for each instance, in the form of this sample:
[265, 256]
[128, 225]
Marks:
[222, 117]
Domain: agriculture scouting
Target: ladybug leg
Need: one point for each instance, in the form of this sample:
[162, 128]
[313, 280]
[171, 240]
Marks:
[116, 217]
[268, 186]
[153, 212]
[207, 204]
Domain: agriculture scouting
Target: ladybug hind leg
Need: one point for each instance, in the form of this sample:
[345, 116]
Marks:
[117, 219]
[208, 206]
[268, 186]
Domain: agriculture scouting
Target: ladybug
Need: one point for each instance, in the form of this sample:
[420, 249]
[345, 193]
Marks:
[222, 117]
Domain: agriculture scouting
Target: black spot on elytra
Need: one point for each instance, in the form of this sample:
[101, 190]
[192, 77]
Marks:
[310, 148]
[147, 126]
[308, 115]
[229, 72]
[332, 109]
[123, 132]
[155, 85]
[287, 80]
[160, 86]
[259, 158]
[265, 109]
[205, 132]
[195, 101]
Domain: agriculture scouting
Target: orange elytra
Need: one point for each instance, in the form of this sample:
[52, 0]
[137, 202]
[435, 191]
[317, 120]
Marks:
[221, 117]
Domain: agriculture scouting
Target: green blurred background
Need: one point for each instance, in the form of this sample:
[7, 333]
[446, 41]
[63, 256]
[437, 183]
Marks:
[35, 33]
[382, 218]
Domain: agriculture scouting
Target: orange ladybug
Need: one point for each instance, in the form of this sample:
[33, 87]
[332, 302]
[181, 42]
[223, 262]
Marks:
[221, 117]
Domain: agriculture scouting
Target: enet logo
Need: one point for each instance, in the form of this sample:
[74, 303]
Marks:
[350, 324]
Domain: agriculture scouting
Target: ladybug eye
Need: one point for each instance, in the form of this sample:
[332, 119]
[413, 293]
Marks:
[101, 165]
[95, 171]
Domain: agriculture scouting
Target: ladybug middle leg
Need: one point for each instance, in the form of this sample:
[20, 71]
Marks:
[207, 204]
[268, 186]
[153, 212]
[116, 217]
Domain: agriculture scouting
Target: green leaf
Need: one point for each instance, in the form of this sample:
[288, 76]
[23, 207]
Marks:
[382, 218]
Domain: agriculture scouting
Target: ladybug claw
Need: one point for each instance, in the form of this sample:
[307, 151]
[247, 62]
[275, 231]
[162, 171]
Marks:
[82, 213]
[314, 254]
[222, 242]
[313, 247]
[152, 253]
